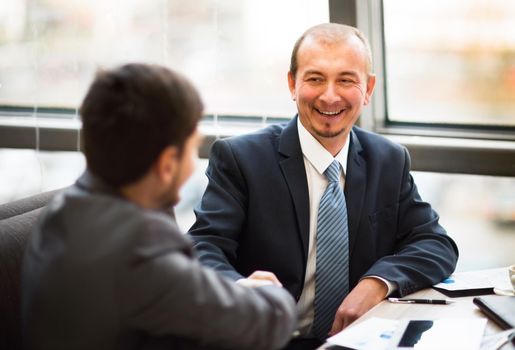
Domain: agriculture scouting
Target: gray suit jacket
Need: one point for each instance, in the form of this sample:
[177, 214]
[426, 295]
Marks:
[101, 273]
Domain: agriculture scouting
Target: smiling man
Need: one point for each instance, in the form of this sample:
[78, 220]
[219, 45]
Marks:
[330, 208]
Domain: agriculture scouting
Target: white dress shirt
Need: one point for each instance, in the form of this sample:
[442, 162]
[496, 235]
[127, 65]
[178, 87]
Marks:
[316, 161]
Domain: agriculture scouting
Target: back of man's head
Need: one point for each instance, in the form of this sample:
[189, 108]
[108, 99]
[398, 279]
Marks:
[131, 114]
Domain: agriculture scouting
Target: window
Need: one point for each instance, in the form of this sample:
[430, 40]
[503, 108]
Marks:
[236, 52]
[450, 62]
[435, 93]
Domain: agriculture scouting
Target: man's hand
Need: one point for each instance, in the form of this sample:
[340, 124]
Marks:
[260, 278]
[367, 293]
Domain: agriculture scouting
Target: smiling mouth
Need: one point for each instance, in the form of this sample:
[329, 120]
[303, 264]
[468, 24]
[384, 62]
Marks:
[330, 113]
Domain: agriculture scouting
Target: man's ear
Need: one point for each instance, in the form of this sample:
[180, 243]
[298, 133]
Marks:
[371, 83]
[291, 85]
[167, 164]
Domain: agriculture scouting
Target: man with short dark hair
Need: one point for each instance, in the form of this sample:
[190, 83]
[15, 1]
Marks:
[330, 208]
[107, 268]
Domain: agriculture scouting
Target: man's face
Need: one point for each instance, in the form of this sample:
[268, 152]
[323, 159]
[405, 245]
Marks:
[330, 87]
[185, 165]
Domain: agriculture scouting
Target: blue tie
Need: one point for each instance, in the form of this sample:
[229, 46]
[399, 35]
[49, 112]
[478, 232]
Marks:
[332, 253]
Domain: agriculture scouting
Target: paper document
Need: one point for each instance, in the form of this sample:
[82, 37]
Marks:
[441, 334]
[479, 279]
[493, 341]
[372, 334]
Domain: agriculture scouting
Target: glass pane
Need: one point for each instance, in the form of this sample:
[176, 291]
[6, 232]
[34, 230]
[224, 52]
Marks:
[478, 212]
[25, 172]
[450, 61]
[236, 52]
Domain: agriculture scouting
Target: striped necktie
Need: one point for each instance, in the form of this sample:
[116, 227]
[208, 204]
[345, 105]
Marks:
[332, 253]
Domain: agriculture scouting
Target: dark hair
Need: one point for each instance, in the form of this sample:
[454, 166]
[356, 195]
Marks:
[131, 114]
[332, 32]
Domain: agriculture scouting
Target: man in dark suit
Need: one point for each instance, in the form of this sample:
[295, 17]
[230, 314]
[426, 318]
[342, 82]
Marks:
[261, 205]
[107, 268]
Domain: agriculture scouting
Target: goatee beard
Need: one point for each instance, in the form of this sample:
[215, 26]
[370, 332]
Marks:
[329, 134]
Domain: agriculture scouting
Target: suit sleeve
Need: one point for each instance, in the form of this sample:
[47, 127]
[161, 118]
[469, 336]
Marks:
[221, 214]
[424, 253]
[163, 291]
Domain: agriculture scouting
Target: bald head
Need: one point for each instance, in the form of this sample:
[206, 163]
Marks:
[332, 33]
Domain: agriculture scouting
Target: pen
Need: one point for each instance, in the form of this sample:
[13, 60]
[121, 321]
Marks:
[419, 301]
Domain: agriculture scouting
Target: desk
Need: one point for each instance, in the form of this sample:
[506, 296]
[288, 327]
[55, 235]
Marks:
[461, 308]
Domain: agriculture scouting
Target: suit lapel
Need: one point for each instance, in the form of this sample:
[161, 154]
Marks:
[292, 165]
[355, 186]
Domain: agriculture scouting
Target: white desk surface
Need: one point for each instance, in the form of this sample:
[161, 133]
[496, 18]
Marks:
[461, 308]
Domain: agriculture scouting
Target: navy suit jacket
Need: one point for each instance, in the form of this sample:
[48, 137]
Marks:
[254, 214]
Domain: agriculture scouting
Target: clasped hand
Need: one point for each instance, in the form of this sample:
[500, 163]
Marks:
[260, 278]
[367, 293]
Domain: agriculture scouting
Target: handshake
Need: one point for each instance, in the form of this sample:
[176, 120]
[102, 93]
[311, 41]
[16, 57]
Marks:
[259, 279]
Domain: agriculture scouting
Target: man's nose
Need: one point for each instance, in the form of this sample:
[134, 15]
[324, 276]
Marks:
[330, 94]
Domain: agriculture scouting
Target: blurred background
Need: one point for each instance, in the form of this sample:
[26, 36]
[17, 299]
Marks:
[449, 62]
[477, 211]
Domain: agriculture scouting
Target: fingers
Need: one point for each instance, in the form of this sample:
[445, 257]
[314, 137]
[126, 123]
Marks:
[367, 293]
[343, 318]
[260, 278]
[253, 283]
[265, 275]
[337, 325]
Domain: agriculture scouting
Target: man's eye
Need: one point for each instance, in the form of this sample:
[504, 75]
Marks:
[315, 79]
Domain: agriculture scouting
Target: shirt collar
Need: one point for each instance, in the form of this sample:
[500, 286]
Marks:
[316, 154]
[92, 183]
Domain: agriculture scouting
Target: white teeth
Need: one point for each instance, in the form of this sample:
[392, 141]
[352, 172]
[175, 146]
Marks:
[330, 113]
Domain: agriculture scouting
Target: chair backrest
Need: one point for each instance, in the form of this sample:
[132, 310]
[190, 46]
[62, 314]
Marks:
[25, 205]
[16, 221]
